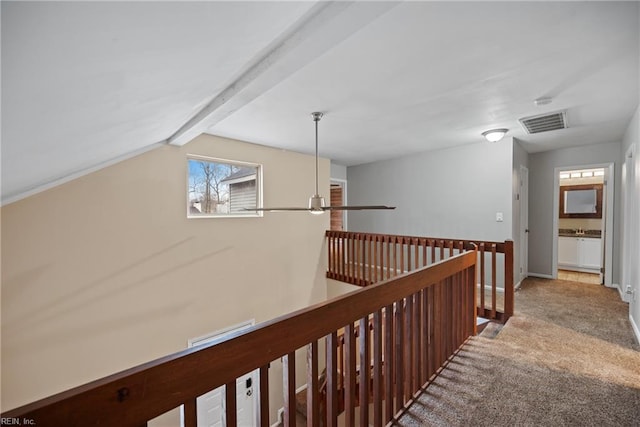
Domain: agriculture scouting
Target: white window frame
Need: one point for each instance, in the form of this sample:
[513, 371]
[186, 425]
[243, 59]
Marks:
[259, 192]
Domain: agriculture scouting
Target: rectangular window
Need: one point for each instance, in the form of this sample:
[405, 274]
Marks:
[222, 188]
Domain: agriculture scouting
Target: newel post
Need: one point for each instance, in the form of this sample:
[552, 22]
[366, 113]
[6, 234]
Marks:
[508, 280]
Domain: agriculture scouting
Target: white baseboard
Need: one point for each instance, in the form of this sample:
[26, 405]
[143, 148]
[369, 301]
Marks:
[635, 328]
[541, 276]
[517, 286]
[488, 287]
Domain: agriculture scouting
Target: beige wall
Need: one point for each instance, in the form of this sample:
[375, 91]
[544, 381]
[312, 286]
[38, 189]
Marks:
[106, 272]
[337, 289]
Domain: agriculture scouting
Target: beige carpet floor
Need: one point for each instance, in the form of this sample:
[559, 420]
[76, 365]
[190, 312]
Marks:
[566, 359]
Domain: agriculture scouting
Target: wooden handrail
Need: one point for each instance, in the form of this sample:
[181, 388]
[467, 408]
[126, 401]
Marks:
[365, 258]
[441, 298]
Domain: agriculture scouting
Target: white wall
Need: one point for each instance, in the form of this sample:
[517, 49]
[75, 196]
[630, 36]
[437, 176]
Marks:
[632, 189]
[453, 193]
[106, 272]
[541, 199]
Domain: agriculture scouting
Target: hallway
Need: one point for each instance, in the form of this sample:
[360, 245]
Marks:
[567, 358]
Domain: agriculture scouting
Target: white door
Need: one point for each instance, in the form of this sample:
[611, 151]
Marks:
[211, 407]
[630, 270]
[524, 222]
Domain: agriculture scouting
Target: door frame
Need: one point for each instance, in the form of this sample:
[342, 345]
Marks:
[229, 332]
[629, 177]
[524, 222]
[609, 178]
[342, 183]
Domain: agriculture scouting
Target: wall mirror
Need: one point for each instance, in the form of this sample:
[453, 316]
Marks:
[581, 201]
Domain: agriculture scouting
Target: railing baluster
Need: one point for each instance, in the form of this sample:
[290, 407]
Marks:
[399, 359]
[350, 375]
[381, 257]
[449, 324]
[508, 280]
[402, 265]
[482, 279]
[431, 330]
[365, 368]
[230, 402]
[408, 345]
[340, 352]
[331, 235]
[374, 259]
[388, 363]
[352, 258]
[264, 396]
[333, 258]
[438, 304]
[190, 411]
[416, 342]
[361, 258]
[377, 368]
[494, 290]
[432, 243]
[313, 397]
[332, 374]
[424, 338]
[394, 240]
[289, 388]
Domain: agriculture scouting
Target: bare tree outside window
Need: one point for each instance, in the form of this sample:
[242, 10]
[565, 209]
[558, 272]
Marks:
[219, 188]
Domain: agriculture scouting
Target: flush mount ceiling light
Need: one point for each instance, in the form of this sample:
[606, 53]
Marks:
[316, 201]
[545, 100]
[495, 135]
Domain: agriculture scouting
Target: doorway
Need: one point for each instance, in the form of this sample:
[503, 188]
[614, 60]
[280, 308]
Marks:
[582, 221]
[210, 407]
[338, 197]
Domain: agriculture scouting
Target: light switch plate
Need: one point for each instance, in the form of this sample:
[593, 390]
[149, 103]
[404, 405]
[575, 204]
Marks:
[499, 217]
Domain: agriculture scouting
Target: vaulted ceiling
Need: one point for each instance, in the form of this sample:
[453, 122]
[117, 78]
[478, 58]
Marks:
[85, 84]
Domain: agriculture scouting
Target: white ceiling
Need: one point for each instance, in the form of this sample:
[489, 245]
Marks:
[85, 84]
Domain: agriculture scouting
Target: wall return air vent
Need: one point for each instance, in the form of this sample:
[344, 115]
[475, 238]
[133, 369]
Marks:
[545, 122]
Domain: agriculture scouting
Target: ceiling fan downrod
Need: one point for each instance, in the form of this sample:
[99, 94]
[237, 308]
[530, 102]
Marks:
[316, 202]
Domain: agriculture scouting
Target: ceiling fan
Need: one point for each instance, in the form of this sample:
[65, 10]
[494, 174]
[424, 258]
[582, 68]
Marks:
[316, 202]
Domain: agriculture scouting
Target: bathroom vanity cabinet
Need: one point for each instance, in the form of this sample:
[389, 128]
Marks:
[580, 253]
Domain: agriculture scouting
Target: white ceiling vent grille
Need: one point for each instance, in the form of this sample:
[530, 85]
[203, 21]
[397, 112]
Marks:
[545, 122]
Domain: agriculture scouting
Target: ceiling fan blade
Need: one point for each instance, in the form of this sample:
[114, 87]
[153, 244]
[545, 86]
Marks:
[276, 209]
[356, 208]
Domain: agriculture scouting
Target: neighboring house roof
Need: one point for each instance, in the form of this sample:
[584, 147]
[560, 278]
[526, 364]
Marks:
[241, 175]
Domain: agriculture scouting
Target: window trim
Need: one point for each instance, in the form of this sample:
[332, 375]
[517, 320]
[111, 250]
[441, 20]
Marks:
[259, 188]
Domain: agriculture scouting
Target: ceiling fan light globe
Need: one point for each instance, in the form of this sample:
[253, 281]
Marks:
[316, 204]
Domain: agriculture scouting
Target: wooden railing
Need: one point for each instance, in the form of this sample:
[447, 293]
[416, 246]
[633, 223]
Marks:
[365, 258]
[418, 320]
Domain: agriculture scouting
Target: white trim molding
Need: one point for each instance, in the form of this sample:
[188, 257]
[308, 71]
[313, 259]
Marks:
[636, 330]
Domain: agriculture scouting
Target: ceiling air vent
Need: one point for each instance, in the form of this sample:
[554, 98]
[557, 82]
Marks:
[545, 122]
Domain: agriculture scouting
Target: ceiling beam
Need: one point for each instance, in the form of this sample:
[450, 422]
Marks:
[324, 26]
